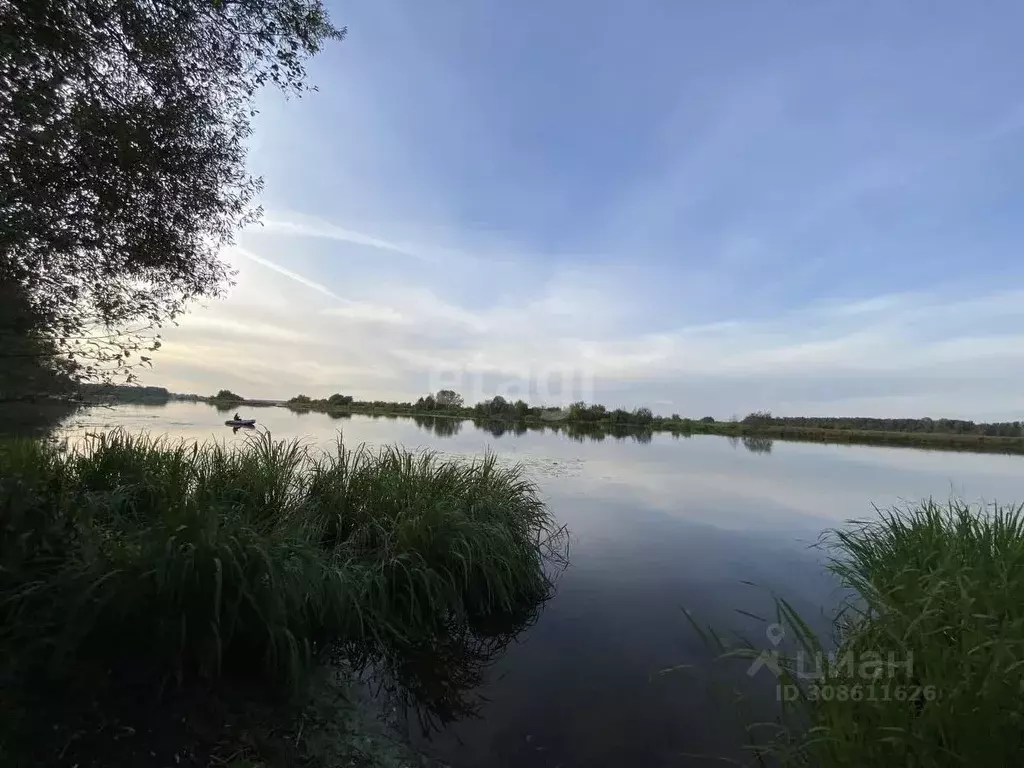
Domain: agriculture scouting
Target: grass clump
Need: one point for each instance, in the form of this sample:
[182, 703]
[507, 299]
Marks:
[138, 560]
[926, 667]
[431, 539]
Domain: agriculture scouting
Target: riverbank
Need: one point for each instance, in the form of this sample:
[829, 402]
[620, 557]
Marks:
[164, 604]
[556, 420]
[926, 663]
[596, 420]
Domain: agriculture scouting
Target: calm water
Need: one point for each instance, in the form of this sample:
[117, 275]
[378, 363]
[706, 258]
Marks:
[655, 526]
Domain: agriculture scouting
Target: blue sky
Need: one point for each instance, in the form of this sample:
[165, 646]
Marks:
[703, 207]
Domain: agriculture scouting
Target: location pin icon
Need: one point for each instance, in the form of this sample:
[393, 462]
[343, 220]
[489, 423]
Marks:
[775, 633]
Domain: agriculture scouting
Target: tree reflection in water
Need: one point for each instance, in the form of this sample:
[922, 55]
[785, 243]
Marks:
[758, 444]
[597, 433]
[33, 418]
[438, 425]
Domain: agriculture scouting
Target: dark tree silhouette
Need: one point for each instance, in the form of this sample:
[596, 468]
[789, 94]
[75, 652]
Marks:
[123, 132]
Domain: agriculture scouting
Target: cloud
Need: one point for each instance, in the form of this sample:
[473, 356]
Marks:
[311, 284]
[371, 313]
[812, 220]
[297, 224]
[795, 362]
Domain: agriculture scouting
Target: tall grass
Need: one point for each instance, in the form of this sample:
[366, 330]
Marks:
[928, 668]
[195, 560]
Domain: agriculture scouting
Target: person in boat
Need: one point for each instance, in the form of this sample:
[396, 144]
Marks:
[237, 417]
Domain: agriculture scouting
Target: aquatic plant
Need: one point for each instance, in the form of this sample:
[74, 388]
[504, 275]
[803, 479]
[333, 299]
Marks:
[926, 666]
[184, 560]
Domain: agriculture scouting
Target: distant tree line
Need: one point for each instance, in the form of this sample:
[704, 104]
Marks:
[450, 403]
[925, 425]
[595, 415]
[338, 400]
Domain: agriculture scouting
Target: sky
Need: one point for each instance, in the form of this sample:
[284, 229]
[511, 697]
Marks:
[703, 207]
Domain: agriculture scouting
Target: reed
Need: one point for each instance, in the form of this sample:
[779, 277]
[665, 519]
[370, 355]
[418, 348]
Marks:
[926, 665]
[194, 561]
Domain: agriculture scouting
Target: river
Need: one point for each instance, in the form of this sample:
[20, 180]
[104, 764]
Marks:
[712, 525]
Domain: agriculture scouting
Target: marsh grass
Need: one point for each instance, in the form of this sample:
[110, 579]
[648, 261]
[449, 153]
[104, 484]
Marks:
[176, 561]
[932, 639]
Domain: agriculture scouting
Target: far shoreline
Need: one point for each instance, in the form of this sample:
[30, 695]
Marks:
[583, 419]
[944, 441]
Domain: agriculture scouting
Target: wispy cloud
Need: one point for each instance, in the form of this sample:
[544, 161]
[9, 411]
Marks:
[297, 224]
[301, 225]
[291, 275]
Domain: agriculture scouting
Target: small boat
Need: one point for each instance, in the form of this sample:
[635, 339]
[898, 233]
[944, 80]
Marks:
[240, 423]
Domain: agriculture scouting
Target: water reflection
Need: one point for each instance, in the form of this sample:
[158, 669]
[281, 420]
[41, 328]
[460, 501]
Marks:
[439, 682]
[496, 428]
[33, 419]
[642, 436]
[596, 433]
[438, 425]
[756, 444]
[753, 443]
